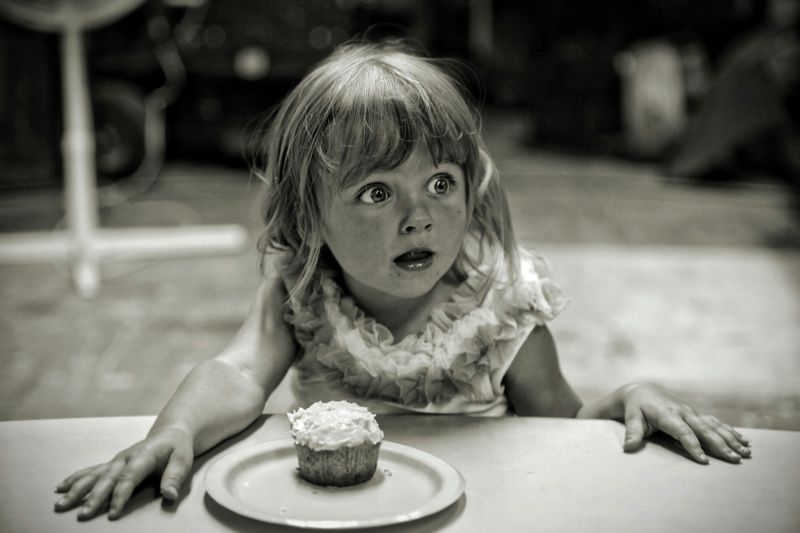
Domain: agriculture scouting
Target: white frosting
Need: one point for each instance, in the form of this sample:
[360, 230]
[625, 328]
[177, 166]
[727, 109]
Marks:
[331, 425]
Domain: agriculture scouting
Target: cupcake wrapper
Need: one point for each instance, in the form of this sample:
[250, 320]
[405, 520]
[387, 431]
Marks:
[339, 468]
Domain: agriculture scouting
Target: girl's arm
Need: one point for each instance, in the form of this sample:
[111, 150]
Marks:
[244, 375]
[216, 400]
[536, 387]
[534, 383]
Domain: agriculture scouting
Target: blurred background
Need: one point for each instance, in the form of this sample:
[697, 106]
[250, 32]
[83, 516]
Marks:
[650, 149]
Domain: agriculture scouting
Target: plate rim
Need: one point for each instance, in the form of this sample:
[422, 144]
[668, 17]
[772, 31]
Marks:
[213, 481]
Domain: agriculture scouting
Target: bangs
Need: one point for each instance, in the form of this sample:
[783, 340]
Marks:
[378, 117]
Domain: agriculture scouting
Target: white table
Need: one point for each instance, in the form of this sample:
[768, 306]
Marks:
[522, 474]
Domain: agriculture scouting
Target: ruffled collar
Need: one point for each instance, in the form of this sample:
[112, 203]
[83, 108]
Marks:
[452, 354]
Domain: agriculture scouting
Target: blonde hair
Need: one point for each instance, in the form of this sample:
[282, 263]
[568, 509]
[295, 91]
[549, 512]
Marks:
[365, 109]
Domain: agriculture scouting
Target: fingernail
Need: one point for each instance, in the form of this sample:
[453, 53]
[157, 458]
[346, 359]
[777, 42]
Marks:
[63, 503]
[170, 493]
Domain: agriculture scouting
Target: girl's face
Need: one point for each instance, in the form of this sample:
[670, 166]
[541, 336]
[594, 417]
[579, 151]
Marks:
[396, 233]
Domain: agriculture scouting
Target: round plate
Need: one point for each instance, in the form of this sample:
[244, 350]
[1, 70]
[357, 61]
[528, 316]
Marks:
[262, 482]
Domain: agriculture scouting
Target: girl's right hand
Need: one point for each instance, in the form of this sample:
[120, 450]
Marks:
[168, 450]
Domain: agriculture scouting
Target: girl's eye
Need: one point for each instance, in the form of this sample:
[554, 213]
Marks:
[374, 194]
[441, 184]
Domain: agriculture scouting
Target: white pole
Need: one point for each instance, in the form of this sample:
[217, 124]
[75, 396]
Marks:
[78, 150]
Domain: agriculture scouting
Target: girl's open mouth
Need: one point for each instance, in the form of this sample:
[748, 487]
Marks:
[414, 260]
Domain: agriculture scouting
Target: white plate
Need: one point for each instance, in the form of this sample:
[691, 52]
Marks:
[262, 482]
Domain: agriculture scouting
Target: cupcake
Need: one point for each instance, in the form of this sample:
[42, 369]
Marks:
[337, 443]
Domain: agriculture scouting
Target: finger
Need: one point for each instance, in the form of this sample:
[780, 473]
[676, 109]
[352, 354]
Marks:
[65, 485]
[678, 429]
[178, 467]
[732, 438]
[137, 469]
[735, 440]
[78, 489]
[635, 430]
[97, 499]
[741, 438]
[712, 441]
[718, 439]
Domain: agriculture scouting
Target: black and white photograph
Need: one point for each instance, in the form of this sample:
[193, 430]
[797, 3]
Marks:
[400, 266]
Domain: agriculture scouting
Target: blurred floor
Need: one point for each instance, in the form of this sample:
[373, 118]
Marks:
[695, 288]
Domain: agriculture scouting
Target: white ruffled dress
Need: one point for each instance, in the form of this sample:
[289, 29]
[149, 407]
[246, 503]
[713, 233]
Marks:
[456, 364]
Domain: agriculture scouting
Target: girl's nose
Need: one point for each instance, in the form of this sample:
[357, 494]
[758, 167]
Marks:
[418, 219]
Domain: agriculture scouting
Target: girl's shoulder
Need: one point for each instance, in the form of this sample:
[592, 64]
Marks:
[525, 291]
[541, 292]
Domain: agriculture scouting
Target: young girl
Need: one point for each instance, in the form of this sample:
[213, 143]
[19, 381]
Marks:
[391, 278]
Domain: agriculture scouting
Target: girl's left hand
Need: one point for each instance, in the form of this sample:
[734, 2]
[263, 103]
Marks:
[649, 409]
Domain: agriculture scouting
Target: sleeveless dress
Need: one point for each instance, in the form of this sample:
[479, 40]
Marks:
[456, 364]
